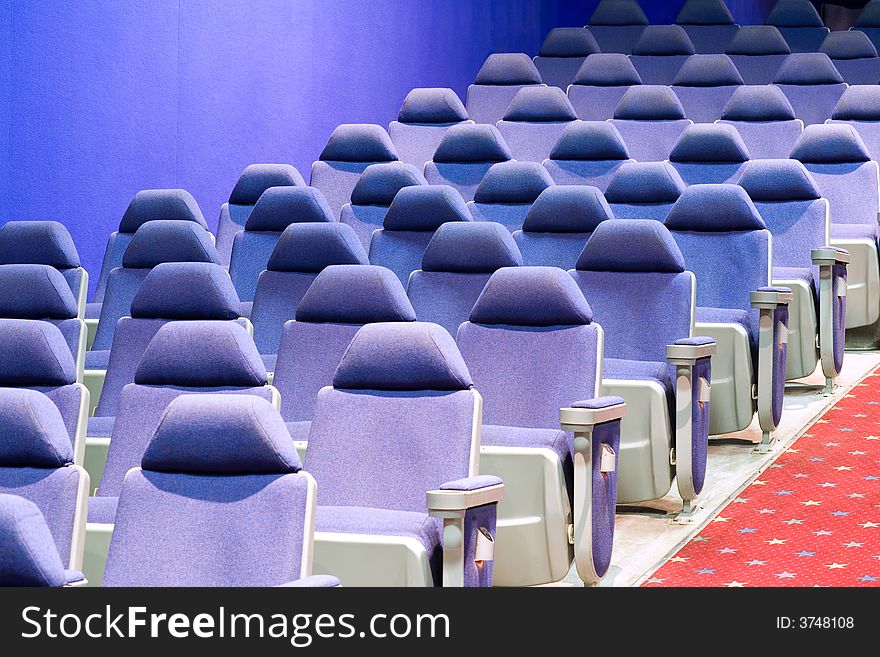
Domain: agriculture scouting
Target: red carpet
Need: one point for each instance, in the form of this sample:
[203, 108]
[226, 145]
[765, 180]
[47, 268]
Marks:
[812, 519]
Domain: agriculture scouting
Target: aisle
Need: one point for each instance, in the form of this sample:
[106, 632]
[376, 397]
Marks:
[811, 519]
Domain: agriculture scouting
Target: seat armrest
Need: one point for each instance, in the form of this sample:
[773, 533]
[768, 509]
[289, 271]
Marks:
[464, 494]
[688, 350]
[772, 305]
[583, 415]
[313, 581]
[829, 256]
[770, 297]
[832, 263]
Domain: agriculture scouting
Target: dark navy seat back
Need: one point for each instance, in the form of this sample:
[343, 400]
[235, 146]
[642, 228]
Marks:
[799, 23]
[758, 51]
[617, 25]
[868, 22]
[854, 56]
[708, 23]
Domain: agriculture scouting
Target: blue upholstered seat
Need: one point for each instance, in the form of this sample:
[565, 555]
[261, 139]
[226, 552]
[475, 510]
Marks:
[562, 54]
[704, 85]
[463, 157]
[811, 84]
[708, 23]
[500, 77]
[650, 118]
[758, 51]
[600, 83]
[507, 192]
[644, 190]
[868, 22]
[765, 120]
[709, 153]
[534, 121]
[424, 117]
[660, 52]
[587, 153]
[799, 23]
[854, 56]
[617, 25]
[859, 106]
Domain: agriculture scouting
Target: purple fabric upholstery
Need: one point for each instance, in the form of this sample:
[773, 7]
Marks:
[604, 502]
[562, 54]
[186, 290]
[660, 52]
[854, 56]
[463, 157]
[708, 23]
[704, 84]
[277, 208]
[811, 84]
[799, 23]
[534, 121]
[617, 25]
[425, 116]
[555, 440]
[587, 153]
[507, 191]
[859, 106]
[497, 82]
[34, 353]
[28, 556]
[758, 51]
[765, 120]
[32, 433]
[709, 153]
[600, 84]
[644, 190]
[780, 353]
[650, 118]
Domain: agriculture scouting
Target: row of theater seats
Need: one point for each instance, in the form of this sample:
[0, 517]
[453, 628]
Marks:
[617, 25]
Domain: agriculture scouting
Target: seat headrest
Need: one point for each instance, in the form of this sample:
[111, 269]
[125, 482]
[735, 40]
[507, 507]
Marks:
[359, 142]
[186, 290]
[861, 102]
[850, 44]
[379, 183]
[631, 245]
[531, 296]
[758, 40]
[355, 294]
[30, 555]
[567, 209]
[645, 182]
[708, 71]
[310, 247]
[221, 434]
[714, 208]
[201, 354]
[590, 140]
[804, 68]
[704, 12]
[870, 16]
[278, 207]
[607, 70]
[34, 353]
[35, 292]
[513, 182]
[37, 242]
[649, 102]
[664, 40]
[472, 142]
[432, 105]
[794, 13]
[32, 431]
[830, 143]
[758, 103]
[508, 68]
[425, 208]
[402, 356]
[257, 178]
[169, 241]
[618, 12]
[709, 142]
[160, 204]
[778, 180]
[568, 42]
[472, 247]
[540, 105]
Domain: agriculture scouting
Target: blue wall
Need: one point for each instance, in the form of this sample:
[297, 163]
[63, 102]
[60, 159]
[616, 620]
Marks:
[100, 99]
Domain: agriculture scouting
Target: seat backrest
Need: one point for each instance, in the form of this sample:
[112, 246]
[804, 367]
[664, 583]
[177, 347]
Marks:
[792, 208]
[464, 155]
[35, 355]
[253, 181]
[414, 215]
[868, 22]
[765, 120]
[373, 193]
[424, 117]
[644, 190]
[401, 418]
[562, 53]
[600, 83]
[182, 358]
[497, 81]
[660, 52]
[531, 346]
[40, 292]
[704, 84]
[214, 471]
[709, 153]
[725, 243]
[587, 153]
[634, 275]
[708, 23]
[171, 291]
[799, 23]
[36, 463]
[617, 25]
[341, 300]
[841, 166]
[276, 209]
[650, 118]
[812, 85]
[533, 122]
[559, 223]
[854, 56]
[351, 148]
[507, 192]
[758, 51]
[153, 243]
[303, 251]
[459, 260]
[28, 555]
[45, 243]
[147, 205]
[859, 106]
